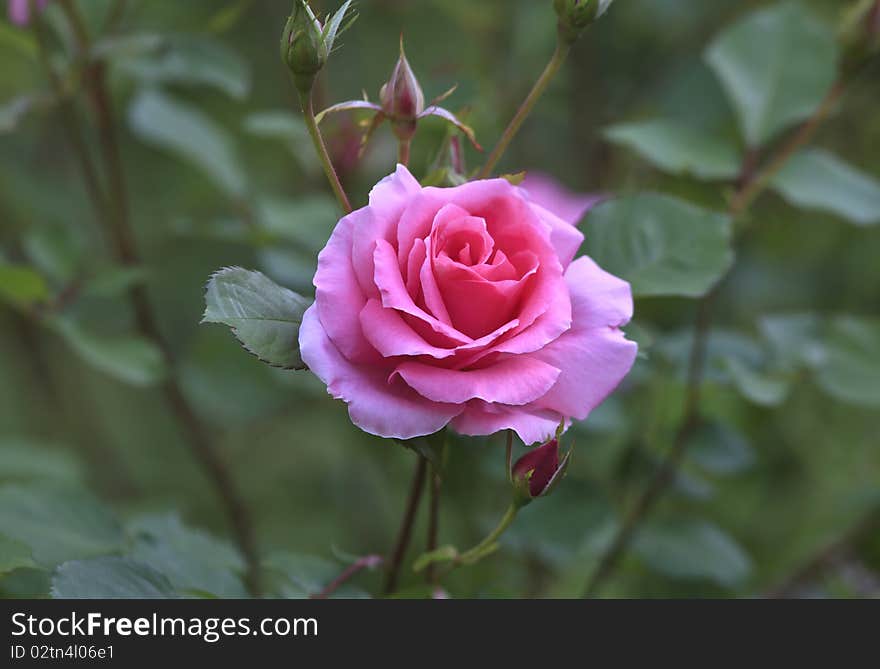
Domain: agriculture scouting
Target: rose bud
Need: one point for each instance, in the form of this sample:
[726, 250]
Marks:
[306, 44]
[576, 15]
[860, 34]
[20, 10]
[537, 472]
[402, 103]
[402, 98]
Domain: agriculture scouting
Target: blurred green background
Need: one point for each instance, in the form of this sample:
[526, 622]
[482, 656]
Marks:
[220, 172]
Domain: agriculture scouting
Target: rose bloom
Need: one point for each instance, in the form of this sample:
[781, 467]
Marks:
[20, 10]
[463, 306]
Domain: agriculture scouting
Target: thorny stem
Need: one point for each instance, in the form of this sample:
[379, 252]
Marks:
[366, 562]
[308, 110]
[395, 559]
[125, 249]
[751, 185]
[559, 55]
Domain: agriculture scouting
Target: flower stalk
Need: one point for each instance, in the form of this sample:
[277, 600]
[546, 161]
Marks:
[321, 149]
[550, 71]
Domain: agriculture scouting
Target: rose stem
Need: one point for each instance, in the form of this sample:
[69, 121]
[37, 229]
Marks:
[433, 519]
[750, 187]
[366, 562]
[403, 147]
[126, 253]
[559, 55]
[308, 110]
[395, 559]
[472, 555]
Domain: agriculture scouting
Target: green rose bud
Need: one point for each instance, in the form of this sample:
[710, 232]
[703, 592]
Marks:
[306, 43]
[302, 46]
[576, 15]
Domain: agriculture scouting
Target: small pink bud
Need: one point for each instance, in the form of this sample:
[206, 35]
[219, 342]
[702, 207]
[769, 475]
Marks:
[20, 10]
[538, 470]
[402, 98]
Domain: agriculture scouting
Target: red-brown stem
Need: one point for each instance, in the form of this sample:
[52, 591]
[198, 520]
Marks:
[366, 562]
[395, 559]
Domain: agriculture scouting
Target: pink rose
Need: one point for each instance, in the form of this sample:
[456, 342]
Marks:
[462, 306]
[20, 10]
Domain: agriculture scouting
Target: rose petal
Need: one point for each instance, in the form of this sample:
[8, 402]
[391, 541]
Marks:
[594, 355]
[514, 381]
[530, 424]
[566, 238]
[388, 200]
[390, 410]
[389, 334]
[338, 293]
[394, 295]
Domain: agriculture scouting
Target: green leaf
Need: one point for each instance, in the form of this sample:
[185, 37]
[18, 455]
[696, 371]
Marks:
[762, 388]
[719, 449]
[794, 339]
[13, 111]
[678, 148]
[263, 316]
[192, 60]
[296, 576]
[192, 560]
[29, 460]
[128, 358]
[19, 40]
[113, 281]
[660, 244]
[817, 179]
[776, 65]
[228, 17]
[119, 48]
[22, 286]
[168, 124]
[57, 524]
[306, 222]
[14, 555]
[849, 368]
[110, 578]
[693, 550]
[285, 128]
[57, 251]
[442, 554]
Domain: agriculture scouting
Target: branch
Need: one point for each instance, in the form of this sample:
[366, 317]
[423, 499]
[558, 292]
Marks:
[395, 560]
[559, 55]
[366, 562]
[751, 185]
[126, 252]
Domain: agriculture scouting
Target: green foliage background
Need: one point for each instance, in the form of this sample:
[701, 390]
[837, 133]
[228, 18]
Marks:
[94, 468]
